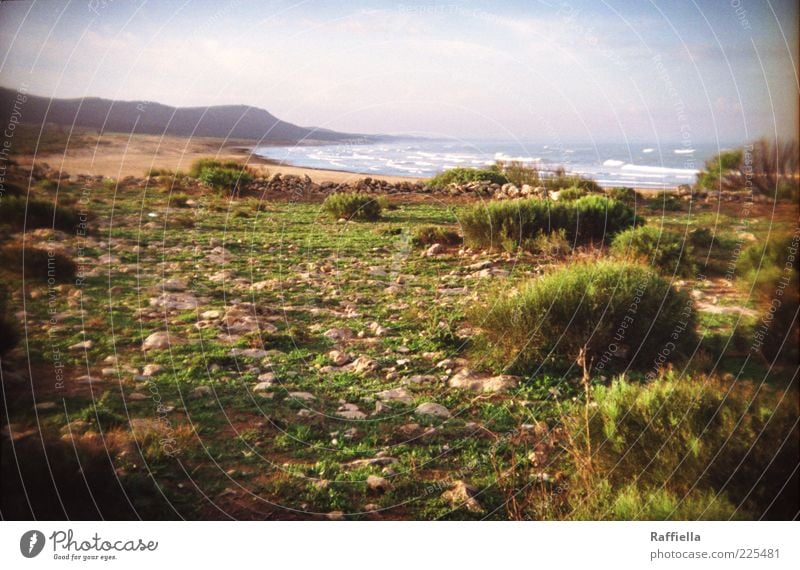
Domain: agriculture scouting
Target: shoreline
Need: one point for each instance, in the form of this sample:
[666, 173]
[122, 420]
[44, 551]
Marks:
[119, 155]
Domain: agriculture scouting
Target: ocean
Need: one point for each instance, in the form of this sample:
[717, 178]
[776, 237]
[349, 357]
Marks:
[636, 165]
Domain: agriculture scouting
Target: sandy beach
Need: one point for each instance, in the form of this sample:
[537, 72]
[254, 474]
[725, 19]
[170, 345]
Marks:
[117, 155]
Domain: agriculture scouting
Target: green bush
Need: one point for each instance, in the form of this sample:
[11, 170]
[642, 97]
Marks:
[662, 249]
[230, 180]
[771, 270]
[560, 180]
[701, 237]
[429, 235]
[666, 201]
[572, 193]
[38, 263]
[623, 314]
[624, 194]
[19, 212]
[201, 164]
[695, 436]
[466, 175]
[353, 206]
[513, 223]
[518, 173]
[638, 503]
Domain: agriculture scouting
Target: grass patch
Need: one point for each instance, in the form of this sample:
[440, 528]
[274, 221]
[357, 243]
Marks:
[622, 314]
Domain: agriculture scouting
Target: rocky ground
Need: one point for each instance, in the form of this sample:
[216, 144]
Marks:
[261, 360]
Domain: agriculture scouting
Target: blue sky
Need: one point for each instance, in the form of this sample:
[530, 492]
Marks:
[679, 70]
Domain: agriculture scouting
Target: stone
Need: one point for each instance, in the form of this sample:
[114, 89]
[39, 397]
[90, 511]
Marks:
[466, 379]
[174, 285]
[363, 364]
[138, 396]
[305, 396]
[152, 369]
[84, 345]
[201, 392]
[463, 495]
[339, 358]
[395, 395]
[432, 409]
[378, 484]
[157, 341]
[175, 301]
[339, 334]
[435, 249]
[44, 406]
[248, 352]
[262, 387]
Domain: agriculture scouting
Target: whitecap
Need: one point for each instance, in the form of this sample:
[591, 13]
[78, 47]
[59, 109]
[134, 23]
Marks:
[611, 162]
[647, 150]
[683, 151]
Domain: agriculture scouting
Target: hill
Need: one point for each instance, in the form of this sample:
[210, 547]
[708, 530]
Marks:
[145, 117]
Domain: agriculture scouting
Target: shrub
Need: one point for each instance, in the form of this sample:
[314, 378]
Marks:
[571, 193]
[201, 164]
[701, 237]
[38, 263]
[662, 249]
[553, 244]
[694, 436]
[638, 503]
[518, 173]
[230, 180]
[513, 223]
[624, 194]
[466, 175]
[766, 167]
[429, 235]
[559, 180]
[19, 212]
[666, 201]
[353, 206]
[622, 314]
[771, 270]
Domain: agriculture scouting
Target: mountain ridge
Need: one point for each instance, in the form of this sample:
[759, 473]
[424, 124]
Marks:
[153, 118]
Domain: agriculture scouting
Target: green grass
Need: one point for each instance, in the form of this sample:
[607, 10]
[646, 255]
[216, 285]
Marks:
[314, 274]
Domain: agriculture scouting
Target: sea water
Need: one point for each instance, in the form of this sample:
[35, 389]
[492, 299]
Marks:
[610, 164]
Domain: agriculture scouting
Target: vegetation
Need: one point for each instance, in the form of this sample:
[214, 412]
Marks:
[353, 206]
[37, 263]
[465, 175]
[19, 212]
[572, 193]
[613, 314]
[276, 311]
[623, 194]
[665, 250]
[429, 235]
[514, 223]
[771, 168]
[771, 272]
[677, 448]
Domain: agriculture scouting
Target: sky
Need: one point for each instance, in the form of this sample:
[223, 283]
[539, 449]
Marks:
[686, 71]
